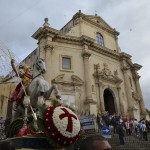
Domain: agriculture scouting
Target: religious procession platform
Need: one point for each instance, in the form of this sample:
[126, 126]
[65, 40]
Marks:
[32, 142]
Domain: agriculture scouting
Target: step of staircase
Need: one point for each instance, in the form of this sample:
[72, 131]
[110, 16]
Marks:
[131, 143]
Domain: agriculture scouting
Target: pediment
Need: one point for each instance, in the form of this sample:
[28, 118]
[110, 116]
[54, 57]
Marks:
[77, 80]
[99, 21]
[59, 78]
[73, 80]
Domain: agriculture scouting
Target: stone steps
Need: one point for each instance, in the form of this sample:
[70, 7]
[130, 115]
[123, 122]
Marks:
[131, 143]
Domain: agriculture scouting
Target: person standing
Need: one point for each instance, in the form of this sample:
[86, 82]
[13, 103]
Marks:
[98, 120]
[144, 131]
[127, 124]
[121, 133]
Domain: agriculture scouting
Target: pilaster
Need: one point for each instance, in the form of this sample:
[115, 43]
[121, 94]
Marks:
[122, 110]
[48, 61]
[86, 55]
[102, 106]
[90, 104]
[138, 88]
[128, 90]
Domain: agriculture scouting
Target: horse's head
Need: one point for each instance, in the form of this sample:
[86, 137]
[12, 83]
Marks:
[40, 65]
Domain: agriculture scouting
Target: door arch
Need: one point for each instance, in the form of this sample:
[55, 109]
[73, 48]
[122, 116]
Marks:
[109, 102]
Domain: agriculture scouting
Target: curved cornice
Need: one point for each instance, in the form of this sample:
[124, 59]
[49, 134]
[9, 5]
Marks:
[75, 80]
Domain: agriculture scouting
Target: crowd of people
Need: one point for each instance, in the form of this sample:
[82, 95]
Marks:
[124, 126]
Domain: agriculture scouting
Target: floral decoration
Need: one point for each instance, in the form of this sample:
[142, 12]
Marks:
[62, 124]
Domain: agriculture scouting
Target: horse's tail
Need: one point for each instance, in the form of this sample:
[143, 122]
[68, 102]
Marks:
[14, 127]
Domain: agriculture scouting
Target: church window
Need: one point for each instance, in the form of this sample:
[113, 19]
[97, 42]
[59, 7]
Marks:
[66, 63]
[99, 39]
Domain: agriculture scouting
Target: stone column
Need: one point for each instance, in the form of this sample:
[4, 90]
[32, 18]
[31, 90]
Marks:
[117, 46]
[138, 88]
[88, 90]
[102, 107]
[120, 101]
[48, 62]
[41, 49]
[128, 91]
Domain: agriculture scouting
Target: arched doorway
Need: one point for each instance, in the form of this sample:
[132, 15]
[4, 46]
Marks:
[109, 102]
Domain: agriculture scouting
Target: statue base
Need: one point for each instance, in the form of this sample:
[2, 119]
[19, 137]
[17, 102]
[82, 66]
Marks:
[31, 142]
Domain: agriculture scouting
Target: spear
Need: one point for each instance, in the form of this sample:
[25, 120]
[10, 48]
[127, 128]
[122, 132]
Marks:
[34, 115]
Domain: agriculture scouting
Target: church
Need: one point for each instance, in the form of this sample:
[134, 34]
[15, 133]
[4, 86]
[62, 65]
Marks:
[92, 73]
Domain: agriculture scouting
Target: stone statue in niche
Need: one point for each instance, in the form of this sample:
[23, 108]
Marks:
[98, 68]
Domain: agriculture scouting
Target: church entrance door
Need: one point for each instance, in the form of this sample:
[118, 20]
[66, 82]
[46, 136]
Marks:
[109, 102]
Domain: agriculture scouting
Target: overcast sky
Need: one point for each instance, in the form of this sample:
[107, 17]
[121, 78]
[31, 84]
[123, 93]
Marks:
[19, 19]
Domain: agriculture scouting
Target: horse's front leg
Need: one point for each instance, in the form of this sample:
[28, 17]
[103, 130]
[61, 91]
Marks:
[58, 94]
[47, 94]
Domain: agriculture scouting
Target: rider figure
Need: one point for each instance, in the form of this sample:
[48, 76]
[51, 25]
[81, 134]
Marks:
[26, 76]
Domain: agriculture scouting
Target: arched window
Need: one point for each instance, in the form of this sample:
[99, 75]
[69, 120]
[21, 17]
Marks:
[99, 39]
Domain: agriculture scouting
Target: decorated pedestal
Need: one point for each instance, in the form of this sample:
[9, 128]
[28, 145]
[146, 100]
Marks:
[58, 128]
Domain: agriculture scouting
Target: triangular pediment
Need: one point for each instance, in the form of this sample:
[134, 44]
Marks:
[99, 21]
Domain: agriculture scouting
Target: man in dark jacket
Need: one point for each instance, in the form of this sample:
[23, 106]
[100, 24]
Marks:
[121, 133]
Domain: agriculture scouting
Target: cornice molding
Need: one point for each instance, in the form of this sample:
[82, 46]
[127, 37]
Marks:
[45, 31]
[105, 51]
[125, 56]
[84, 40]
[137, 66]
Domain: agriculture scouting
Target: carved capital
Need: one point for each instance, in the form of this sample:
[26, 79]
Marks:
[136, 75]
[86, 55]
[124, 66]
[48, 47]
[136, 96]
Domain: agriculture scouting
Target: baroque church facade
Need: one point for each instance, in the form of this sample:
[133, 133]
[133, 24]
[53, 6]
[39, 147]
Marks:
[85, 61]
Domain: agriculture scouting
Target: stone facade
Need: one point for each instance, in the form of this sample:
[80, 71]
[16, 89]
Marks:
[6, 106]
[100, 77]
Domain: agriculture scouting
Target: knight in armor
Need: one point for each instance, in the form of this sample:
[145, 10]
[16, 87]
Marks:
[25, 77]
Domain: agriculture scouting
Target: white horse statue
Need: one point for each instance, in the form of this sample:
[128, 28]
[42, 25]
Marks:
[38, 87]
